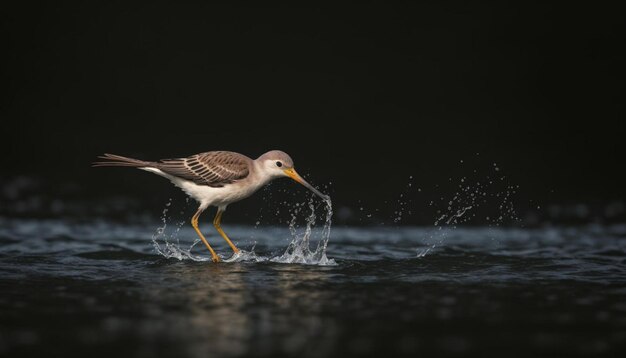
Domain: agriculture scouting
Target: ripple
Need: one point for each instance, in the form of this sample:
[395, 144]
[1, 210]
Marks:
[116, 255]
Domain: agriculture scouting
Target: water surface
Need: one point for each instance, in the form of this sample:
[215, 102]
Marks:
[100, 288]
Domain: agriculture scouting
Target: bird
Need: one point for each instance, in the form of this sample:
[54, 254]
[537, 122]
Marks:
[216, 178]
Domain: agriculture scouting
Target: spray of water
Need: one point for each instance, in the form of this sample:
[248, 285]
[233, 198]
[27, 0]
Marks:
[168, 244]
[298, 250]
[462, 207]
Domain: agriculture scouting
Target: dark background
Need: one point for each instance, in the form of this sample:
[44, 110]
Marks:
[537, 88]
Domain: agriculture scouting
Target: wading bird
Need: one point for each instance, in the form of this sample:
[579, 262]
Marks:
[216, 178]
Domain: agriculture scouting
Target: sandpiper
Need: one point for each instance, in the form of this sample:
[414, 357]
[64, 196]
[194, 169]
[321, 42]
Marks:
[216, 178]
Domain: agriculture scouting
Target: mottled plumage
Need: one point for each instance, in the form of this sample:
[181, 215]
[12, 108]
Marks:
[214, 169]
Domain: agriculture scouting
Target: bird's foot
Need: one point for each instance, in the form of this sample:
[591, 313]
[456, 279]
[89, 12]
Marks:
[216, 258]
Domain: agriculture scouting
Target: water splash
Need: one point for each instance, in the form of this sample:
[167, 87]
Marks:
[403, 203]
[421, 252]
[168, 245]
[299, 249]
[453, 217]
[175, 251]
[463, 206]
[246, 256]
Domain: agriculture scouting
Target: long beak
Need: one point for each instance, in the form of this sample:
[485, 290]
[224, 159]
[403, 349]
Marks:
[295, 176]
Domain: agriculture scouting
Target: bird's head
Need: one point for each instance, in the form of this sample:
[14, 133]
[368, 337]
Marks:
[278, 164]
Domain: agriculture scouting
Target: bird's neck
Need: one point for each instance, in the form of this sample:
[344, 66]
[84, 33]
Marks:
[262, 176]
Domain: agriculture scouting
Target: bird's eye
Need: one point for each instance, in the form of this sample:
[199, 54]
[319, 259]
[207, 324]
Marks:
[279, 164]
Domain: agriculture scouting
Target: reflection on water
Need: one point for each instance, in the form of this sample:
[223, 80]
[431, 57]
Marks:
[212, 300]
[100, 289]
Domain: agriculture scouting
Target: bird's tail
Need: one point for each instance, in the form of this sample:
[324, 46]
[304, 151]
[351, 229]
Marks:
[112, 160]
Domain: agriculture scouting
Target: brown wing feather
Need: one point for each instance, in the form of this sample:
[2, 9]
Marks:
[214, 169]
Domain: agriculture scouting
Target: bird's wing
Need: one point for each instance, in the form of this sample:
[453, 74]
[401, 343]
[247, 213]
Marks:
[214, 169]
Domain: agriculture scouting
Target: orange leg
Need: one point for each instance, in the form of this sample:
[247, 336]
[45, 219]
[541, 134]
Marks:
[194, 223]
[216, 223]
